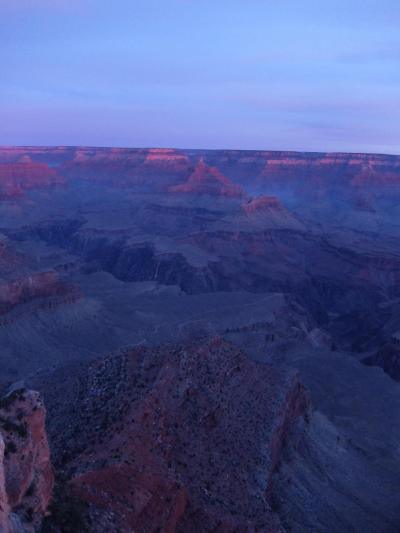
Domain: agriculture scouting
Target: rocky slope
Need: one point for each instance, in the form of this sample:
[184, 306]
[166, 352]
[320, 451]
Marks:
[174, 439]
[37, 286]
[338, 474]
[26, 477]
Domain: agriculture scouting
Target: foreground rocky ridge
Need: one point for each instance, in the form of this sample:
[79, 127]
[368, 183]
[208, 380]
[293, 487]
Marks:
[177, 439]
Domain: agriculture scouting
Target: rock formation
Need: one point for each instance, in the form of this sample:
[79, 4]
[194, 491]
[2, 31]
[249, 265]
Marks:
[269, 212]
[209, 181]
[26, 477]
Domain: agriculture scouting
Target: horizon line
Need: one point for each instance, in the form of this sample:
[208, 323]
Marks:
[290, 151]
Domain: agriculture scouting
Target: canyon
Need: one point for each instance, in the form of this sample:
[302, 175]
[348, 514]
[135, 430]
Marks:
[214, 335]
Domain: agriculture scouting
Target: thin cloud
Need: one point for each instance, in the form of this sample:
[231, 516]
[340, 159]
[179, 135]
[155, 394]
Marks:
[11, 6]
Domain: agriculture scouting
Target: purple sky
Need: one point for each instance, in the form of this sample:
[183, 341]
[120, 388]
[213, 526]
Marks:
[264, 74]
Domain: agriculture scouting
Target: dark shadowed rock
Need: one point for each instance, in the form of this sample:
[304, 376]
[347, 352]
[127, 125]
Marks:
[388, 357]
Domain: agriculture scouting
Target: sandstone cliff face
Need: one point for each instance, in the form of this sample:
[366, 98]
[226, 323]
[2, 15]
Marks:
[26, 477]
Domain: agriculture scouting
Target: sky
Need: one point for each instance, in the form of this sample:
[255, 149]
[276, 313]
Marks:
[309, 75]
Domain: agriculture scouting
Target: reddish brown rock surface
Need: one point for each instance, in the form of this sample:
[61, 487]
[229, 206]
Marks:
[38, 286]
[26, 476]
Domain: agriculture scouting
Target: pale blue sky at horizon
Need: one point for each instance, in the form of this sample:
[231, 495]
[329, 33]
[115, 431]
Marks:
[288, 75]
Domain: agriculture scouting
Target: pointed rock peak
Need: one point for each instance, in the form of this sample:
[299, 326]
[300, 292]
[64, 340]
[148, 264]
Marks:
[204, 172]
[209, 180]
[202, 166]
